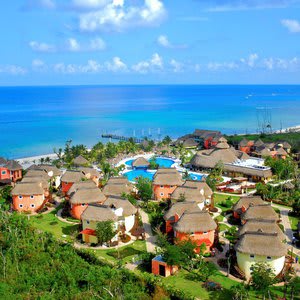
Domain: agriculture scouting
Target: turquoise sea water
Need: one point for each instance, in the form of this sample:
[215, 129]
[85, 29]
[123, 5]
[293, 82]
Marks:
[33, 120]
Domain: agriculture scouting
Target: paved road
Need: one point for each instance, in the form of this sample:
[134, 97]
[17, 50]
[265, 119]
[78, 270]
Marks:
[150, 238]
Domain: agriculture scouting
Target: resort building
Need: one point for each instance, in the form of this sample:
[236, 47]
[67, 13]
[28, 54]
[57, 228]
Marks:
[243, 204]
[259, 246]
[246, 146]
[82, 198]
[207, 138]
[53, 172]
[140, 163]
[176, 211]
[259, 212]
[80, 161]
[91, 173]
[87, 184]
[41, 182]
[10, 171]
[159, 267]
[116, 186]
[124, 210]
[191, 190]
[94, 214]
[69, 178]
[198, 226]
[165, 181]
[28, 197]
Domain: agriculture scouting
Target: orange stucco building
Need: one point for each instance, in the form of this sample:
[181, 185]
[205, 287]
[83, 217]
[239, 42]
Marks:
[69, 178]
[159, 267]
[10, 171]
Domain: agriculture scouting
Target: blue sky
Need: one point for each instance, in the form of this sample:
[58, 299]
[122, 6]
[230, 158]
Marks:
[54, 42]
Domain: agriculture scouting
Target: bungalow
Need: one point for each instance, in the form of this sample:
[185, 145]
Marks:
[259, 246]
[69, 178]
[123, 209]
[176, 211]
[246, 145]
[81, 199]
[41, 181]
[91, 173]
[191, 190]
[165, 181]
[28, 197]
[94, 214]
[259, 212]
[243, 204]
[80, 161]
[206, 138]
[140, 163]
[53, 172]
[116, 186]
[263, 226]
[88, 184]
[160, 267]
[198, 226]
[10, 171]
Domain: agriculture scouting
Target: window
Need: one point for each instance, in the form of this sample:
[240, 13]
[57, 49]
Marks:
[32, 205]
[3, 172]
[20, 205]
[205, 232]
[87, 222]
[251, 255]
[161, 194]
[20, 197]
[171, 186]
[269, 257]
[82, 204]
[162, 186]
[31, 197]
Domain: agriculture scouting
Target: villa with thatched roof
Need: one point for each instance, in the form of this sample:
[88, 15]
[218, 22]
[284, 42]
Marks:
[9, 171]
[259, 212]
[91, 173]
[94, 214]
[259, 246]
[80, 161]
[207, 138]
[198, 226]
[140, 163]
[165, 181]
[41, 181]
[69, 178]
[82, 198]
[28, 197]
[246, 145]
[116, 186]
[176, 211]
[53, 172]
[87, 184]
[243, 204]
[123, 209]
[192, 190]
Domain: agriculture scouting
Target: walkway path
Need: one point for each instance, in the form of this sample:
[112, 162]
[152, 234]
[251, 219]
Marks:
[150, 238]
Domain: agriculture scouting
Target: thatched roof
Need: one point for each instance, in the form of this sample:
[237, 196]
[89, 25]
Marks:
[117, 202]
[264, 172]
[179, 208]
[209, 158]
[98, 213]
[222, 144]
[260, 212]
[263, 151]
[203, 133]
[262, 225]
[241, 155]
[50, 168]
[72, 176]
[32, 188]
[89, 171]
[87, 195]
[281, 151]
[81, 185]
[167, 176]
[246, 202]
[261, 243]
[80, 161]
[195, 222]
[3, 161]
[190, 143]
[37, 173]
[243, 143]
[118, 180]
[285, 145]
[270, 145]
[13, 165]
[39, 179]
[140, 162]
[199, 185]
[117, 186]
[258, 143]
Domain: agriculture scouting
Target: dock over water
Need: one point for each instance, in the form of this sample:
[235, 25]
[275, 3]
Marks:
[121, 138]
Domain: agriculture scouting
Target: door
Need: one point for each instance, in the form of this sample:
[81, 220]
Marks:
[162, 270]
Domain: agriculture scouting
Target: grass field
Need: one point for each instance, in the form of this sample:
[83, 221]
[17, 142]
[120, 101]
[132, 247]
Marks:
[294, 221]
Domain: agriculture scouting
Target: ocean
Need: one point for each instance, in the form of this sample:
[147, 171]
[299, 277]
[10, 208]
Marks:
[34, 120]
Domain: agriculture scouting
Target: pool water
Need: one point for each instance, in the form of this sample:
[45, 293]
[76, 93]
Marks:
[195, 176]
[135, 174]
[161, 161]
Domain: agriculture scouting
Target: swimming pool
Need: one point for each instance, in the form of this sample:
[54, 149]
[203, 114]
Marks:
[161, 161]
[135, 174]
[196, 176]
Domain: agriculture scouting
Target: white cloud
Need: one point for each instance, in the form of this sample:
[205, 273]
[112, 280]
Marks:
[292, 25]
[13, 70]
[116, 65]
[39, 4]
[250, 61]
[92, 66]
[177, 66]
[215, 66]
[41, 47]
[155, 63]
[38, 65]
[163, 41]
[118, 17]
[97, 44]
[281, 64]
[90, 4]
[73, 45]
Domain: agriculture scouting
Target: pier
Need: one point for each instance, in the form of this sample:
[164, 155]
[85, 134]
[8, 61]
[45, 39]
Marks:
[121, 138]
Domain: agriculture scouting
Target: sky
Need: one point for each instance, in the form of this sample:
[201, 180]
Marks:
[79, 42]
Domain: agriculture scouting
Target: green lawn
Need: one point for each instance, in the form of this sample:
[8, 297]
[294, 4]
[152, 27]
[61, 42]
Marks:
[294, 221]
[218, 198]
[50, 223]
[223, 227]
